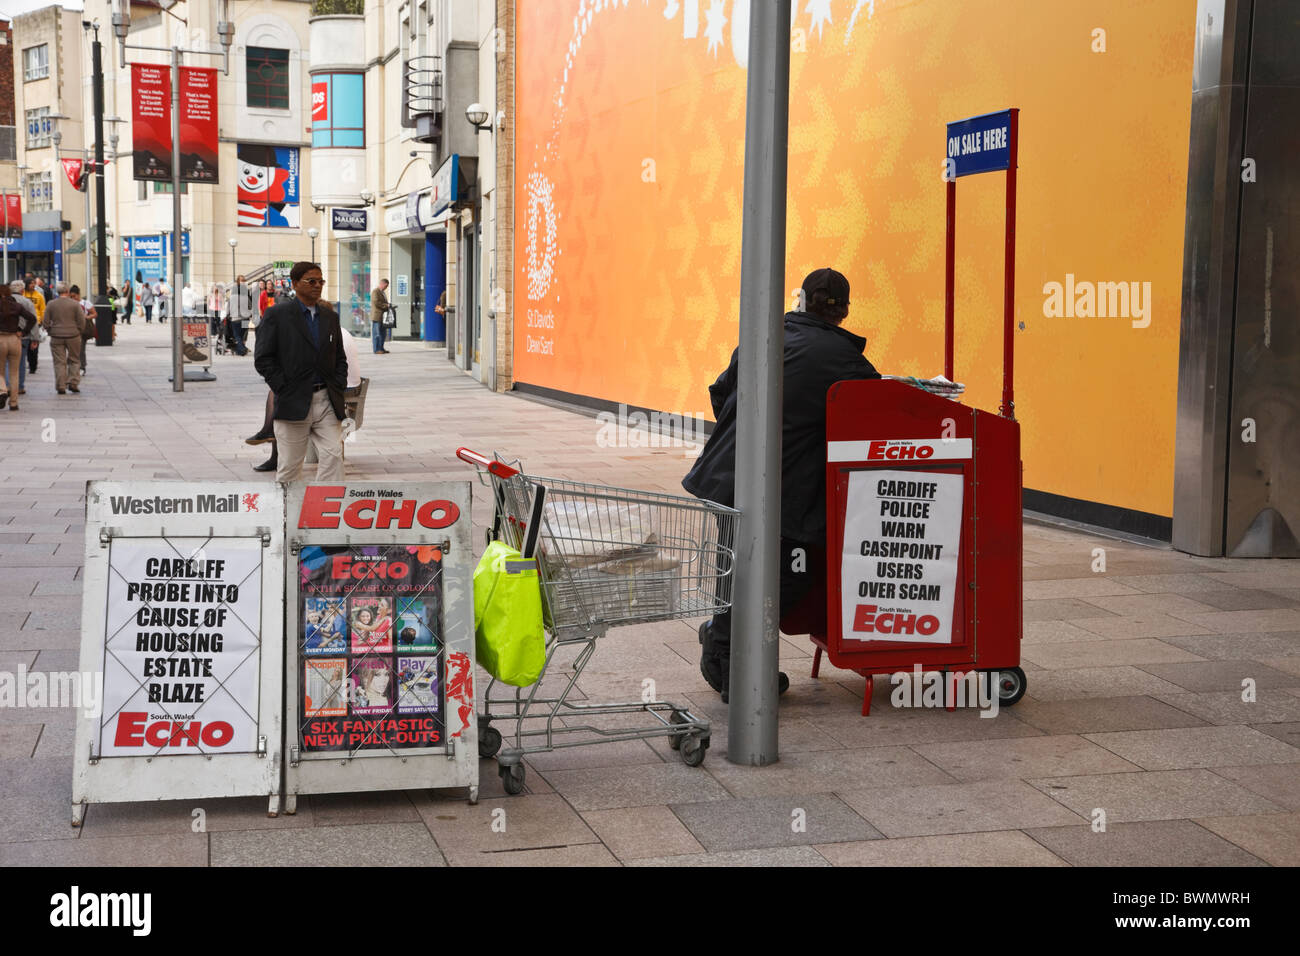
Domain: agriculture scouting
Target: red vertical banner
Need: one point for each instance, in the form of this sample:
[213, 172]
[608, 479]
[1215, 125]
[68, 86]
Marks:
[12, 210]
[198, 124]
[151, 115]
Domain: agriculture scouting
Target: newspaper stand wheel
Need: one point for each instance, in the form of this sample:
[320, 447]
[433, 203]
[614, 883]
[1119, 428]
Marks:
[489, 741]
[675, 741]
[1011, 685]
[512, 778]
[693, 749]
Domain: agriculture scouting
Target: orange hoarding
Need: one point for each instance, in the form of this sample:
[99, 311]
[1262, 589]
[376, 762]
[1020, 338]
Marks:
[629, 173]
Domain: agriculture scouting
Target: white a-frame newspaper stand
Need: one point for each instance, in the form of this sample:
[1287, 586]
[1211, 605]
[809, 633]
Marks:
[182, 613]
[380, 634]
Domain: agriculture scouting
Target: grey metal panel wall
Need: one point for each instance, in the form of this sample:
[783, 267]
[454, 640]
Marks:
[1263, 501]
[1209, 274]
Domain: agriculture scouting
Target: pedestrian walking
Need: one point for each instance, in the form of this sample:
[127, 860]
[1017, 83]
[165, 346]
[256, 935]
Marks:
[33, 339]
[127, 300]
[161, 297]
[88, 333]
[818, 353]
[146, 298]
[300, 354]
[264, 297]
[17, 316]
[378, 313]
[65, 322]
[243, 305]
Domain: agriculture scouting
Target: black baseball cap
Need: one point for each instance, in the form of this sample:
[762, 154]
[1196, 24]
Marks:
[829, 282]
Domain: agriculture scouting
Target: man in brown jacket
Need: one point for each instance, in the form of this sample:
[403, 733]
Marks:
[378, 309]
[65, 323]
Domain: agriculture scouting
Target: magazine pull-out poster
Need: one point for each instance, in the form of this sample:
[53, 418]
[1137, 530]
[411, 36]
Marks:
[183, 586]
[381, 636]
[369, 648]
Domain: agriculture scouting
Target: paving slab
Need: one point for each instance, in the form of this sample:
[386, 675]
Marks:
[1102, 714]
[637, 833]
[1279, 783]
[173, 817]
[1164, 843]
[1048, 756]
[640, 786]
[396, 844]
[1238, 646]
[1077, 683]
[1288, 733]
[1192, 747]
[829, 771]
[178, 849]
[1154, 795]
[1270, 706]
[1006, 848]
[18, 740]
[957, 808]
[792, 820]
[774, 857]
[1108, 653]
[467, 833]
[1222, 675]
[1274, 838]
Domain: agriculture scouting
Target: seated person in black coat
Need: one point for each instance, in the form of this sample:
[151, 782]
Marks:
[818, 353]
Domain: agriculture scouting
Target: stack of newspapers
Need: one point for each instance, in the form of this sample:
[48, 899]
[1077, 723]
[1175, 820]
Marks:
[935, 386]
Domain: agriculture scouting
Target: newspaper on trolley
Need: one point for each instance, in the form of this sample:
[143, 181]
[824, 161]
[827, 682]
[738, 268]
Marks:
[606, 557]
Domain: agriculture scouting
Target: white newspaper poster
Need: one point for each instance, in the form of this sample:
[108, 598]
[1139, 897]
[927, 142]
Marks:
[898, 575]
[181, 647]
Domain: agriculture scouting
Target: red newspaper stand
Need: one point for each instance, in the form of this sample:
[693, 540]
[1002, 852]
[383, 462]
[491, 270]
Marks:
[924, 545]
[923, 497]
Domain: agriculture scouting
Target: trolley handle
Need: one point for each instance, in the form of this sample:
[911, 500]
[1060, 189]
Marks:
[500, 469]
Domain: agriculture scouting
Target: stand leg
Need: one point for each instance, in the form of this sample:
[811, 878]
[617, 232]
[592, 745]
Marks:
[817, 661]
[950, 679]
[78, 809]
[290, 804]
[473, 795]
[866, 697]
[273, 808]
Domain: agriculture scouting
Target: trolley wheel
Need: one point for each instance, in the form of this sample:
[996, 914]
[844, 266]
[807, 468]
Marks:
[693, 749]
[1011, 686]
[512, 778]
[675, 741]
[489, 741]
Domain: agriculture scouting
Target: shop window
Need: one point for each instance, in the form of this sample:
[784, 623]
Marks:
[338, 110]
[167, 188]
[268, 78]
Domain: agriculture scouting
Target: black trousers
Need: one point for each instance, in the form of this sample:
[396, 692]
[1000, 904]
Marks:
[803, 566]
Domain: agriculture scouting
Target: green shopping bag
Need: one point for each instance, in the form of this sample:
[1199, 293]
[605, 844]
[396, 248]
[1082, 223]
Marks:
[508, 631]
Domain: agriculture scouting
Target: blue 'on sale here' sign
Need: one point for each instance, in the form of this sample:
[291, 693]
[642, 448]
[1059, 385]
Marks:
[980, 144]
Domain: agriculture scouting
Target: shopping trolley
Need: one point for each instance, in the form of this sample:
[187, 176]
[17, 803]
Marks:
[606, 557]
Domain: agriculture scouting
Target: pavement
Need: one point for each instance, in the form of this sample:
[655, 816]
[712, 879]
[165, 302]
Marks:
[1161, 724]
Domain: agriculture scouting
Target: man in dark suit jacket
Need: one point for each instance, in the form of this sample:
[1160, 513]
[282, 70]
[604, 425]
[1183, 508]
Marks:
[299, 353]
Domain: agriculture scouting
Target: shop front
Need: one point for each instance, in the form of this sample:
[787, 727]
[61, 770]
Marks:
[36, 251]
[417, 256]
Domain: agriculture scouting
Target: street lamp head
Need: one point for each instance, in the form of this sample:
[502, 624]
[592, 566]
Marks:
[313, 232]
[367, 196]
[233, 242]
[57, 136]
[477, 114]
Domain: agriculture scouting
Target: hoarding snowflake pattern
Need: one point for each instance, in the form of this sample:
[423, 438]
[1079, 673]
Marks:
[540, 261]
